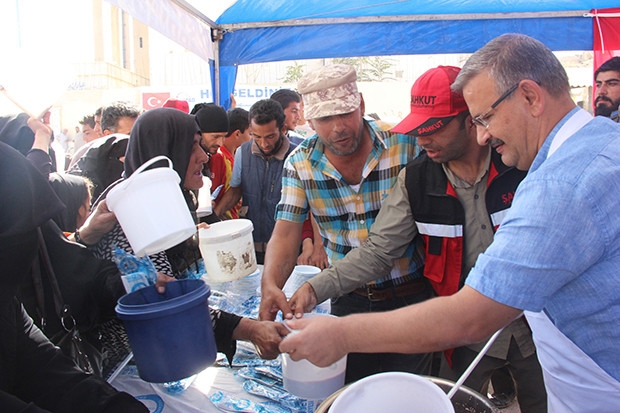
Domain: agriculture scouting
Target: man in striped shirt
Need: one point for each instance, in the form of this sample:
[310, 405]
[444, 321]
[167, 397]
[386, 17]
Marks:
[342, 175]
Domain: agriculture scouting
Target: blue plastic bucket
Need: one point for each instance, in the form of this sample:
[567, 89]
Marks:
[170, 334]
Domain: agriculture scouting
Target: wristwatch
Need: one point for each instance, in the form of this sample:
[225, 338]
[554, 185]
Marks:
[78, 239]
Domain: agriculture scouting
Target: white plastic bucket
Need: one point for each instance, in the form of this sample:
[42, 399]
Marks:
[304, 379]
[204, 198]
[150, 207]
[227, 248]
[392, 392]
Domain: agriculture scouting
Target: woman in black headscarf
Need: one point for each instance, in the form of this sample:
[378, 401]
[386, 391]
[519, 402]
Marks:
[34, 374]
[175, 134]
[75, 192]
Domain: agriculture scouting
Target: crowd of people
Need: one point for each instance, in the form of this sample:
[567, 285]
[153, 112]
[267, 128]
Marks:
[489, 206]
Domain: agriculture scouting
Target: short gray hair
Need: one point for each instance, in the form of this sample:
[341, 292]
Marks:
[512, 57]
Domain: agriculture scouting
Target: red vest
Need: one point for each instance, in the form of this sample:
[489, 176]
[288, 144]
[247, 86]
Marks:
[440, 217]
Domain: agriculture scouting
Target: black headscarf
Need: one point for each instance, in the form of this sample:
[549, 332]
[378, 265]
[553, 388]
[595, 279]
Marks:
[169, 132]
[73, 190]
[101, 163]
[27, 202]
[15, 132]
[163, 131]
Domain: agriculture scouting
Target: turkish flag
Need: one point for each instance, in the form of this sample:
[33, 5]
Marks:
[606, 35]
[154, 100]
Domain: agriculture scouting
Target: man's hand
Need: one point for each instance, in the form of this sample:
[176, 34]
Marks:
[307, 246]
[304, 300]
[280, 259]
[272, 301]
[319, 257]
[162, 280]
[319, 340]
[265, 335]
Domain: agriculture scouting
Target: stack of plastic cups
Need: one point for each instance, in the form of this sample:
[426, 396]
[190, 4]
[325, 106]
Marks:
[301, 274]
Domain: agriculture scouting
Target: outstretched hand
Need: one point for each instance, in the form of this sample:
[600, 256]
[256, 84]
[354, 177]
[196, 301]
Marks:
[272, 301]
[317, 339]
[303, 301]
[265, 335]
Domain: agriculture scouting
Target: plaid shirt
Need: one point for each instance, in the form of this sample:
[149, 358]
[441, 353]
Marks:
[343, 212]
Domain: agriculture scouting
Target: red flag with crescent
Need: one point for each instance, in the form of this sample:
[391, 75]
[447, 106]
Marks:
[154, 100]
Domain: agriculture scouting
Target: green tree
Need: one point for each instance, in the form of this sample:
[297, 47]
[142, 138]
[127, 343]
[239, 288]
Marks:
[369, 69]
[294, 72]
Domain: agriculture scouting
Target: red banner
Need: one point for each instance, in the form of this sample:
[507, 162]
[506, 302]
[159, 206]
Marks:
[606, 26]
[154, 100]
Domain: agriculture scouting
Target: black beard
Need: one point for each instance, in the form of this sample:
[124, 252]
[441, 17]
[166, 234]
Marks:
[604, 110]
[275, 148]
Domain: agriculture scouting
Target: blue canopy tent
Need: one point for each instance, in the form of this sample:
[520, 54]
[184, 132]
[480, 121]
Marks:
[253, 31]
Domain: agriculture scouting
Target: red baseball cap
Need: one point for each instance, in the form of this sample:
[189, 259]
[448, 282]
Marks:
[433, 103]
[176, 104]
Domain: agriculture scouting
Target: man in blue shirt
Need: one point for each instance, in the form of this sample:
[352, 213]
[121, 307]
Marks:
[556, 255]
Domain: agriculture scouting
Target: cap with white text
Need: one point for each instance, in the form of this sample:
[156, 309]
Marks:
[433, 103]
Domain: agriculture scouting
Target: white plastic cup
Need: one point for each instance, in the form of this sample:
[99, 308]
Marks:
[300, 274]
[205, 206]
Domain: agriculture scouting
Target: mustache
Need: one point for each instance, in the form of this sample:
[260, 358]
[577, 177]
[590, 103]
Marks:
[496, 142]
[601, 98]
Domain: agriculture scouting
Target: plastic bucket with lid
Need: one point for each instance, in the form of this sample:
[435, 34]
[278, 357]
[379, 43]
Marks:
[392, 392]
[151, 209]
[304, 379]
[170, 334]
[227, 248]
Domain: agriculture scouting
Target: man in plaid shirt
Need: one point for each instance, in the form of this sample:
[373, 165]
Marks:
[342, 175]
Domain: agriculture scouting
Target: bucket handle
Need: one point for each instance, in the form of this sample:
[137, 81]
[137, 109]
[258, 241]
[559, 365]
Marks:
[151, 162]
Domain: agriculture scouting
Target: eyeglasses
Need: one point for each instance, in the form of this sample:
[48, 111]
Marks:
[479, 120]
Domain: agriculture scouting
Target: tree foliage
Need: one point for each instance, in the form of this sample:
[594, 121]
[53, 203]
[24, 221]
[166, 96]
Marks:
[369, 69]
[294, 72]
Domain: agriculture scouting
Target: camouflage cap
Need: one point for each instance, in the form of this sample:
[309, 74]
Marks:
[330, 90]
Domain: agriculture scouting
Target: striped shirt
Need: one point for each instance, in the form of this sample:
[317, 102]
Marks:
[346, 212]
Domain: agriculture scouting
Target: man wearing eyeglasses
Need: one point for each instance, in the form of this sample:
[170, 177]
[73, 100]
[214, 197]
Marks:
[556, 254]
[607, 78]
[452, 198]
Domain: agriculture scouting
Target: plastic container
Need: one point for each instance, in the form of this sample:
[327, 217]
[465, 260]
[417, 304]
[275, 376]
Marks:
[465, 400]
[150, 208]
[304, 379]
[205, 206]
[300, 274]
[227, 248]
[392, 392]
[170, 334]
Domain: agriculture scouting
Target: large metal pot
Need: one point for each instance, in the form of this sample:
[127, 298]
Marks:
[465, 400]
